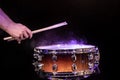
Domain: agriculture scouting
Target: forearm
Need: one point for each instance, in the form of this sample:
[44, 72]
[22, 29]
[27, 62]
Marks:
[5, 21]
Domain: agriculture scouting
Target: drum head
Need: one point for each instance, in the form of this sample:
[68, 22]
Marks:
[65, 46]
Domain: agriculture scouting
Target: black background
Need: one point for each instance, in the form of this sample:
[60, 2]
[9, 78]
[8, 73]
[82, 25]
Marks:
[96, 22]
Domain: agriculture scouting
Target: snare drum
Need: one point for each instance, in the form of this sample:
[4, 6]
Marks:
[66, 60]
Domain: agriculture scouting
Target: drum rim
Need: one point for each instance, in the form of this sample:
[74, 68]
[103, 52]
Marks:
[81, 73]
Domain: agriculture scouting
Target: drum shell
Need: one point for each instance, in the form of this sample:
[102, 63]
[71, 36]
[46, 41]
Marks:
[64, 62]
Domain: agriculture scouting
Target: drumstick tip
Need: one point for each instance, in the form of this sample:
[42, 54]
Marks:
[65, 23]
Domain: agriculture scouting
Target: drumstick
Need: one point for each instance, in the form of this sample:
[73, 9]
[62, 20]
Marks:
[40, 30]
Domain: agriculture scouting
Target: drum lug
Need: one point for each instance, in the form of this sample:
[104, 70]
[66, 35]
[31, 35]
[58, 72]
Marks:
[38, 57]
[40, 66]
[96, 58]
[54, 57]
[91, 65]
[54, 67]
[35, 65]
[74, 58]
[90, 56]
[74, 67]
[35, 56]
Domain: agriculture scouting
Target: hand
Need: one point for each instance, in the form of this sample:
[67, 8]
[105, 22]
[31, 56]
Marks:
[19, 31]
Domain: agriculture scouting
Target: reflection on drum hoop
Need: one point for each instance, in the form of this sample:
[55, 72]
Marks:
[66, 60]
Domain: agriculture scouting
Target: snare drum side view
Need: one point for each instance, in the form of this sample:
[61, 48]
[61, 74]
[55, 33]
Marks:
[66, 60]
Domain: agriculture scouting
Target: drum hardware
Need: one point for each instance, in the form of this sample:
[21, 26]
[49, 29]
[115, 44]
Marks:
[36, 66]
[91, 65]
[81, 73]
[40, 65]
[74, 58]
[54, 67]
[74, 67]
[97, 57]
[90, 56]
[54, 58]
[35, 56]
[38, 57]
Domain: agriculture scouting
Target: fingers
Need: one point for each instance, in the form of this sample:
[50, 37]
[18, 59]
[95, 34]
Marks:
[24, 35]
[25, 32]
[29, 32]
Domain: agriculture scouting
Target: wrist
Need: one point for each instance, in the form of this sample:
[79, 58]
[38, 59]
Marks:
[7, 25]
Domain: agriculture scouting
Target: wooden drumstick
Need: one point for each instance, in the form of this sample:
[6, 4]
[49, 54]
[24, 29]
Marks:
[40, 30]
